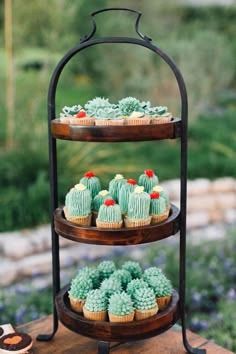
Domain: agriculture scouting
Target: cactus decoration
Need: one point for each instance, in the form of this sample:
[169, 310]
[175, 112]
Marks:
[115, 186]
[91, 182]
[120, 304]
[111, 286]
[71, 111]
[152, 272]
[156, 111]
[92, 273]
[124, 194]
[96, 301]
[108, 113]
[99, 199]
[163, 194]
[79, 201]
[144, 299]
[134, 285]
[148, 180]
[109, 211]
[93, 106]
[158, 204]
[139, 204]
[133, 268]
[80, 287]
[105, 269]
[129, 105]
[160, 285]
[123, 275]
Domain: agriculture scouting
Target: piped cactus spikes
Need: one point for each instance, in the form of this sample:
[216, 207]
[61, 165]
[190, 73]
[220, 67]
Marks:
[151, 271]
[160, 285]
[80, 286]
[111, 286]
[115, 185]
[99, 199]
[123, 275]
[70, 111]
[96, 301]
[148, 180]
[93, 106]
[133, 268]
[92, 273]
[120, 304]
[134, 285]
[105, 269]
[129, 105]
[92, 183]
[78, 201]
[144, 299]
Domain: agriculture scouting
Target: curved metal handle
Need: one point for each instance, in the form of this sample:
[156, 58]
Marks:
[93, 14]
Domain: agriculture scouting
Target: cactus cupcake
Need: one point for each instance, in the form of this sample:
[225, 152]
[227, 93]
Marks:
[159, 115]
[93, 106]
[137, 118]
[148, 180]
[109, 215]
[158, 210]
[92, 273]
[80, 287]
[163, 194]
[95, 307]
[151, 272]
[111, 286]
[145, 303]
[124, 194]
[120, 308]
[109, 116]
[162, 288]
[78, 205]
[123, 276]
[133, 111]
[105, 269]
[98, 200]
[91, 182]
[75, 115]
[134, 285]
[115, 185]
[138, 209]
[133, 268]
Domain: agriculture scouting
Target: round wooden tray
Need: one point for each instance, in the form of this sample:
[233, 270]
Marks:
[120, 332]
[123, 236]
[171, 130]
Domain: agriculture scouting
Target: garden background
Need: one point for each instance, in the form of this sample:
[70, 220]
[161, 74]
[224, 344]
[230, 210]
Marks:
[201, 40]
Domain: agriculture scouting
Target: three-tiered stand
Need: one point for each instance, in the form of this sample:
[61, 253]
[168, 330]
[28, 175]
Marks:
[106, 332]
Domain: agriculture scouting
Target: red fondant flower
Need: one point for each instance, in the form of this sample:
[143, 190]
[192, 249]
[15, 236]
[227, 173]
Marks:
[131, 181]
[109, 202]
[81, 114]
[89, 174]
[149, 173]
[155, 195]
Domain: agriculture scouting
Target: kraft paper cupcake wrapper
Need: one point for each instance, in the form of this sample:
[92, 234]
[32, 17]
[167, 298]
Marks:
[125, 318]
[136, 222]
[82, 121]
[163, 302]
[79, 220]
[77, 304]
[160, 120]
[95, 316]
[109, 122]
[156, 218]
[137, 121]
[142, 314]
[109, 225]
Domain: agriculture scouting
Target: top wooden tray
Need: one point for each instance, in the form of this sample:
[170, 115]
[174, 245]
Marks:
[171, 130]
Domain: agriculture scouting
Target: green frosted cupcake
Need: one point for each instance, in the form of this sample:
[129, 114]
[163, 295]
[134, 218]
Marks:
[158, 210]
[92, 273]
[162, 288]
[144, 303]
[134, 285]
[78, 205]
[133, 268]
[98, 200]
[109, 215]
[163, 194]
[115, 185]
[120, 308]
[79, 289]
[95, 307]
[124, 194]
[148, 180]
[138, 209]
[123, 276]
[151, 272]
[111, 286]
[105, 269]
[91, 182]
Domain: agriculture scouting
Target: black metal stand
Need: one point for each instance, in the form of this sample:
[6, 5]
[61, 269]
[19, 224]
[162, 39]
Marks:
[144, 41]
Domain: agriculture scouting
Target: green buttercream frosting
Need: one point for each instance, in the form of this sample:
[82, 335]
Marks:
[134, 285]
[111, 286]
[163, 194]
[133, 268]
[123, 276]
[80, 287]
[108, 113]
[157, 206]
[139, 204]
[105, 269]
[92, 273]
[79, 202]
[124, 194]
[160, 285]
[115, 186]
[96, 104]
[92, 183]
[96, 301]
[128, 105]
[120, 304]
[144, 299]
[151, 271]
[111, 213]
[70, 111]
[99, 199]
[156, 111]
[148, 182]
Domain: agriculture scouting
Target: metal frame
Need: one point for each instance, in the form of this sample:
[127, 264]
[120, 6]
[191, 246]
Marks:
[145, 41]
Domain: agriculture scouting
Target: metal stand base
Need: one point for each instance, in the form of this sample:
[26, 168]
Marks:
[103, 347]
[48, 337]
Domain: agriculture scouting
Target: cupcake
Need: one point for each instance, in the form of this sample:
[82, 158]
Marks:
[15, 342]
[148, 180]
[158, 210]
[109, 215]
[115, 185]
[134, 285]
[95, 307]
[163, 194]
[123, 276]
[128, 105]
[78, 205]
[162, 288]
[138, 209]
[124, 194]
[145, 303]
[133, 268]
[92, 273]
[109, 116]
[159, 115]
[120, 308]
[137, 118]
[111, 286]
[91, 182]
[151, 272]
[75, 115]
[106, 269]
[98, 200]
[80, 287]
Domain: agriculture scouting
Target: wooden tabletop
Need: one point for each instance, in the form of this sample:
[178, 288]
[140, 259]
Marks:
[67, 342]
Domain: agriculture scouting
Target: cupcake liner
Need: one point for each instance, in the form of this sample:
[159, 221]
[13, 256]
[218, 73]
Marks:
[142, 314]
[124, 318]
[137, 121]
[156, 218]
[136, 222]
[95, 316]
[109, 121]
[168, 209]
[65, 120]
[79, 220]
[109, 225]
[76, 304]
[163, 302]
[160, 120]
[94, 217]
[82, 121]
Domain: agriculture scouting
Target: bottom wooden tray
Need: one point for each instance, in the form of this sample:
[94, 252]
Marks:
[116, 332]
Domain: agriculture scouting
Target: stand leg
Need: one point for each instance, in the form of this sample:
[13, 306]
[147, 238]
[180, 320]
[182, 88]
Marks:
[103, 347]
